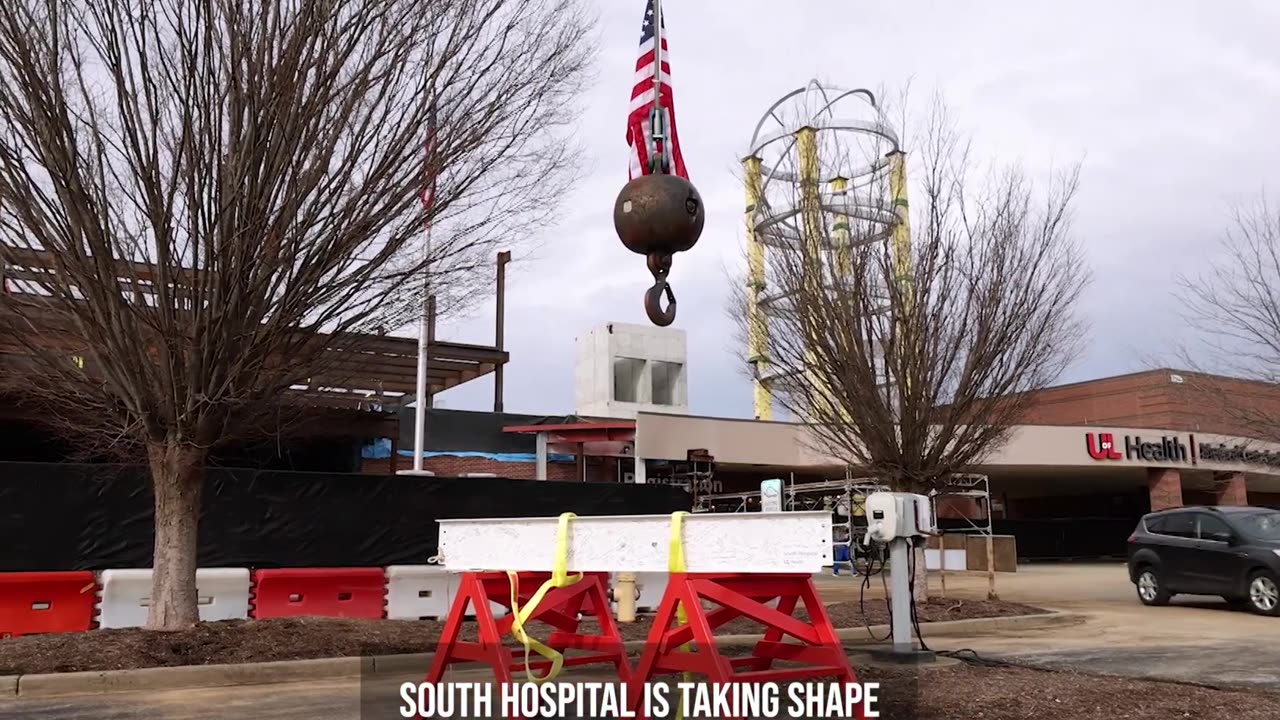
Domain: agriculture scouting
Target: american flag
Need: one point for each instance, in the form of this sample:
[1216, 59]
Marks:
[639, 130]
[430, 163]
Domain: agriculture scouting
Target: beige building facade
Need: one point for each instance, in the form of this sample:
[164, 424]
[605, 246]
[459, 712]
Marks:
[1038, 462]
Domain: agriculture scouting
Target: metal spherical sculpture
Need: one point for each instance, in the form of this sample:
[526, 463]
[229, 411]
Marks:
[658, 214]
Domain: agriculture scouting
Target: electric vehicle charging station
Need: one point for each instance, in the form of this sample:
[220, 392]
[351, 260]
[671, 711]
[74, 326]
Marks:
[897, 519]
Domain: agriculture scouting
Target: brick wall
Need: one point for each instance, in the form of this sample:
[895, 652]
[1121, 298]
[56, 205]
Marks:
[1166, 488]
[1203, 403]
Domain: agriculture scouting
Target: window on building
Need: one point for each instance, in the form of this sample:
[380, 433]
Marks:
[665, 376]
[626, 379]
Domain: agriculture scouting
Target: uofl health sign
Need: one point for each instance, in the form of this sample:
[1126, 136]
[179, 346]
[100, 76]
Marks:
[1173, 449]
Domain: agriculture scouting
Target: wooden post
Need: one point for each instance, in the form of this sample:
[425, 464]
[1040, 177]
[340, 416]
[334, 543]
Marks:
[942, 563]
[991, 568]
[395, 450]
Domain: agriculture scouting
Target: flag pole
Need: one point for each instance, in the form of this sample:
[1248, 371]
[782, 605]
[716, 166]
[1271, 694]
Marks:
[657, 52]
[659, 124]
[424, 349]
[424, 317]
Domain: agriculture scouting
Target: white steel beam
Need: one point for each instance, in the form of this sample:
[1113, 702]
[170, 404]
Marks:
[785, 542]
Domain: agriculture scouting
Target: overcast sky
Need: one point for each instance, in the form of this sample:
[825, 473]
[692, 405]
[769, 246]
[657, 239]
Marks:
[1172, 106]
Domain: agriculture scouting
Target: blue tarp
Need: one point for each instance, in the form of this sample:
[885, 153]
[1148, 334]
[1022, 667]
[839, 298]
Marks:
[500, 457]
[381, 450]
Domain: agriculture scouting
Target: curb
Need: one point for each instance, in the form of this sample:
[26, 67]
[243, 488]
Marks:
[952, 628]
[947, 628]
[393, 664]
[192, 677]
[183, 677]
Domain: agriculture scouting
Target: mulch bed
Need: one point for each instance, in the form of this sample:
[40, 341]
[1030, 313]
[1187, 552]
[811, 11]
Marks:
[1007, 693]
[851, 615]
[241, 641]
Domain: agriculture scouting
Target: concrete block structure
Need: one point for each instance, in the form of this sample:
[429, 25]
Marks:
[624, 369]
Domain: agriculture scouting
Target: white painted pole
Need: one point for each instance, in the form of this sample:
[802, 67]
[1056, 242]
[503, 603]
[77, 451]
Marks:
[900, 595]
[424, 322]
[540, 466]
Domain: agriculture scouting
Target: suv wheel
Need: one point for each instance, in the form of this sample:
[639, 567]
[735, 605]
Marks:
[1264, 593]
[1150, 590]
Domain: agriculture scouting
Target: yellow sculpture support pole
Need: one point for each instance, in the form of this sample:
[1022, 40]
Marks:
[812, 246]
[901, 237]
[900, 242]
[840, 230]
[757, 322]
[810, 198]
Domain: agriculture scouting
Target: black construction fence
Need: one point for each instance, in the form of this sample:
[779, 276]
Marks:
[95, 517]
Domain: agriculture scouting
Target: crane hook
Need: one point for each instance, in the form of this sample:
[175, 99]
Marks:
[660, 266]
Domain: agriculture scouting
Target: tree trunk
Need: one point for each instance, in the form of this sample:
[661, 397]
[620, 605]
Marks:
[920, 582]
[177, 476]
[920, 575]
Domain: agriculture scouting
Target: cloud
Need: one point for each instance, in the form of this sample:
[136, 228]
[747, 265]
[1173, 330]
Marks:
[1171, 106]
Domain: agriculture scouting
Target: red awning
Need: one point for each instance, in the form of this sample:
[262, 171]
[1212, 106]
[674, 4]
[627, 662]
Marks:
[581, 432]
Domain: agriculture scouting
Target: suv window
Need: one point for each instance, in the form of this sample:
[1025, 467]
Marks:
[1181, 525]
[1213, 528]
[1155, 524]
[1263, 524]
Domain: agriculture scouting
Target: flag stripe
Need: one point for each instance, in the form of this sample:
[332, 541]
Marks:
[639, 128]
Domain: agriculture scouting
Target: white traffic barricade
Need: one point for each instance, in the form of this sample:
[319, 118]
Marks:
[222, 594]
[650, 587]
[418, 592]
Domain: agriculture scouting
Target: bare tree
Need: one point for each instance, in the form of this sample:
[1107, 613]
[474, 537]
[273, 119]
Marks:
[913, 360]
[1234, 304]
[204, 203]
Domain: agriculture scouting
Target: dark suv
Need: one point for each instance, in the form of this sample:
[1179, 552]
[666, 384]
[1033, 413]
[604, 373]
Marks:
[1233, 552]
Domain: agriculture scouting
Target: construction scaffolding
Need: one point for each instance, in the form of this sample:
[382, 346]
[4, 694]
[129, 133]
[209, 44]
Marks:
[696, 475]
[845, 499]
[973, 487]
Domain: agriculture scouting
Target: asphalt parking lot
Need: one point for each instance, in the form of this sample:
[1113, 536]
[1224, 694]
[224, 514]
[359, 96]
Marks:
[1198, 640]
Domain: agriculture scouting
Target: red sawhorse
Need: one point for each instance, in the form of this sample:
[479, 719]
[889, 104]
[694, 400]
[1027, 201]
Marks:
[737, 595]
[558, 608]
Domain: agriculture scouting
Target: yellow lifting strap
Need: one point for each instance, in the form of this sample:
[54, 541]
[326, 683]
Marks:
[675, 564]
[519, 616]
